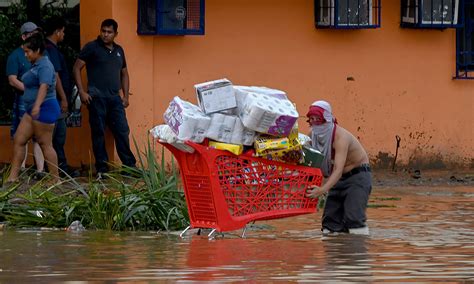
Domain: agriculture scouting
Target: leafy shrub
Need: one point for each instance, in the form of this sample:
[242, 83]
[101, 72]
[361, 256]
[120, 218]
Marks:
[143, 198]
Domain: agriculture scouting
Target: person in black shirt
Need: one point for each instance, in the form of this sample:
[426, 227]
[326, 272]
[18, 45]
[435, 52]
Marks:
[106, 74]
[54, 31]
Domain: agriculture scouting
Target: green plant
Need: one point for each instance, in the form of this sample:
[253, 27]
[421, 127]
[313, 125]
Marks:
[9, 40]
[143, 198]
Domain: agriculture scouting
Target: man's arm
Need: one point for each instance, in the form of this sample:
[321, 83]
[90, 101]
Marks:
[61, 93]
[15, 83]
[12, 72]
[55, 59]
[76, 71]
[125, 86]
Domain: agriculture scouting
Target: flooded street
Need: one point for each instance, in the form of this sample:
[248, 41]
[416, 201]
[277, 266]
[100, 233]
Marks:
[417, 234]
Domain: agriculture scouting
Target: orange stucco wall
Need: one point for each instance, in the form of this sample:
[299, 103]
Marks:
[400, 80]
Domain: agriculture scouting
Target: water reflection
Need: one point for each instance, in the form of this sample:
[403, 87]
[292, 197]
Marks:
[421, 236]
[250, 258]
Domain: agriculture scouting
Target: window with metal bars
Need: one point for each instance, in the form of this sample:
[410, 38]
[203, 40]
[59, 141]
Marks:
[347, 14]
[430, 13]
[170, 17]
[465, 43]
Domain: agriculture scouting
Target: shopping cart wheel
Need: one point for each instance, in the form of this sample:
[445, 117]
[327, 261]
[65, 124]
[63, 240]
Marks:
[185, 230]
[243, 232]
[245, 229]
[211, 234]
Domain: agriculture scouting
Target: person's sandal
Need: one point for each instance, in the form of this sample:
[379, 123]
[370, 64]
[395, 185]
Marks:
[39, 175]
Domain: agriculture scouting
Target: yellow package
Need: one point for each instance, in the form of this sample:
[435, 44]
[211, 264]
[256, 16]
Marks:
[293, 133]
[292, 155]
[266, 143]
[235, 149]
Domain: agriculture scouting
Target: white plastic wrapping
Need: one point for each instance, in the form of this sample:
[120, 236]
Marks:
[164, 134]
[266, 113]
[186, 120]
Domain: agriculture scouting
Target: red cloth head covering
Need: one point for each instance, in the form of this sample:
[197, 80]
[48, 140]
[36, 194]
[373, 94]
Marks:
[316, 111]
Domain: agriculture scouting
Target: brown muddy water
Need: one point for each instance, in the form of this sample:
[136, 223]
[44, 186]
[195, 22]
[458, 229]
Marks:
[418, 234]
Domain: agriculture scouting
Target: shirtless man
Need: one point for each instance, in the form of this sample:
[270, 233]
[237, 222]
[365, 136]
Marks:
[346, 167]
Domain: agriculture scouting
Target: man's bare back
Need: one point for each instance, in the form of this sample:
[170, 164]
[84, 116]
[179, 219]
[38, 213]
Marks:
[356, 154]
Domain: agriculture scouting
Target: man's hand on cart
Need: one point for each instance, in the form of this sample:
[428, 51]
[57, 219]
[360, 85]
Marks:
[315, 191]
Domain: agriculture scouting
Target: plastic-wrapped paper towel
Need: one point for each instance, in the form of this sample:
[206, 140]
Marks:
[279, 94]
[242, 135]
[241, 93]
[229, 129]
[164, 133]
[186, 120]
[266, 114]
[304, 139]
[221, 127]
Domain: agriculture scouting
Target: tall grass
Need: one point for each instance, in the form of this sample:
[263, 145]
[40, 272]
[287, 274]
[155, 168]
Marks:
[143, 198]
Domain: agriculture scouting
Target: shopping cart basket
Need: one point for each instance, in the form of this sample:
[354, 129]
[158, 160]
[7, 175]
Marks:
[224, 191]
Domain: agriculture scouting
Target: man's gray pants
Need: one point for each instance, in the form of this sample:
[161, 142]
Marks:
[346, 203]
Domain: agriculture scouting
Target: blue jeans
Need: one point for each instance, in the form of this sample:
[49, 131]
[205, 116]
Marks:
[109, 111]
[59, 139]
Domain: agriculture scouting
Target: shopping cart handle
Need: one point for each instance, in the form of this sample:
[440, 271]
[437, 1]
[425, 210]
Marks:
[198, 147]
[192, 144]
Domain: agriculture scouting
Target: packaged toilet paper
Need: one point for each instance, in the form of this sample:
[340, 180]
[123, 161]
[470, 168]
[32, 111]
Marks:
[266, 114]
[221, 127]
[242, 135]
[229, 129]
[279, 94]
[164, 134]
[186, 120]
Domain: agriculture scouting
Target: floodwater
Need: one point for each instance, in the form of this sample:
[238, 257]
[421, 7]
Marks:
[417, 234]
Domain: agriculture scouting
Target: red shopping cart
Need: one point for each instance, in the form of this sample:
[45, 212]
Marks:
[224, 191]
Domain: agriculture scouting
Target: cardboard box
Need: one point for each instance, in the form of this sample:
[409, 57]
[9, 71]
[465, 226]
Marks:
[292, 152]
[263, 144]
[291, 155]
[235, 149]
[215, 96]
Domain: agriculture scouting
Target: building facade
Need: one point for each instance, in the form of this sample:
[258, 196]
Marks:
[385, 80]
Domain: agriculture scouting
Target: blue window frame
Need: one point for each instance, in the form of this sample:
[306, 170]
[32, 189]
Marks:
[347, 14]
[435, 14]
[465, 44]
[170, 17]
